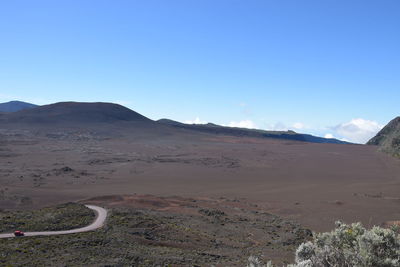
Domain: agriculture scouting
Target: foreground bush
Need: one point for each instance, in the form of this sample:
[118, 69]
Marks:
[348, 245]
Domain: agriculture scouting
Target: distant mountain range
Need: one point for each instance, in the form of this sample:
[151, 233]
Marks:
[245, 132]
[388, 139]
[77, 114]
[14, 106]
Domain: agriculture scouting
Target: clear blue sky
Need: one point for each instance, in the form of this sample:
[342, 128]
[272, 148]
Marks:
[320, 64]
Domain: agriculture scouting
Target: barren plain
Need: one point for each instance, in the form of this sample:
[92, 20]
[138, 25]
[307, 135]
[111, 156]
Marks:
[314, 184]
[178, 195]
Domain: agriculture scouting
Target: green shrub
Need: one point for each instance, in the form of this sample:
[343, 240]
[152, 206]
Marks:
[348, 245]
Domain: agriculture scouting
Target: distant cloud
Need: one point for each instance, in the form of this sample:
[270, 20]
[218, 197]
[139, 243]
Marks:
[243, 124]
[298, 125]
[329, 135]
[279, 126]
[358, 130]
[195, 121]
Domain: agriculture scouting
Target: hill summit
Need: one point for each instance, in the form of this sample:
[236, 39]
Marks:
[14, 106]
[388, 138]
[76, 112]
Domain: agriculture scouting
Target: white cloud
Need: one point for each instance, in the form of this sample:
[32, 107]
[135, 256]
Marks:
[298, 125]
[243, 124]
[329, 135]
[279, 126]
[358, 130]
[195, 121]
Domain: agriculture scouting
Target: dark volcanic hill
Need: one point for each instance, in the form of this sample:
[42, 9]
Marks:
[388, 138]
[75, 113]
[244, 132]
[112, 118]
[14, 106]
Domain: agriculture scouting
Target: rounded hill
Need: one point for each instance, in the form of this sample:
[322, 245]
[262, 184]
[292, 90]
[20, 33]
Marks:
[76, 112]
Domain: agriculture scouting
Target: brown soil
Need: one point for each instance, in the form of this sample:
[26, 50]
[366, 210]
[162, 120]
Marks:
[314, 184]
[227, 230]
[146, 230]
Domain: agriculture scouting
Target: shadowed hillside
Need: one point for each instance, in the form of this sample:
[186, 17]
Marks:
[75, 112]
[388, 138]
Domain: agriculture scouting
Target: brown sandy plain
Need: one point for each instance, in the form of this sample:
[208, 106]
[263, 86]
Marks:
[313, 184]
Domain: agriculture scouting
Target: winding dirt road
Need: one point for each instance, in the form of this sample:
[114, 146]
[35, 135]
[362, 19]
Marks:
[101, 215]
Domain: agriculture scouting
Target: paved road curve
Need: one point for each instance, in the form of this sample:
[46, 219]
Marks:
[101, 215]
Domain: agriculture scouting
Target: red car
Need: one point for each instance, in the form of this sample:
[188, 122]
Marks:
[19, 233]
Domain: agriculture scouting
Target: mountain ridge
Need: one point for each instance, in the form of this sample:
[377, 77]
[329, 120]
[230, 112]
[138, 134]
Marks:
[93, 114]
[245, 132]
[388, 139]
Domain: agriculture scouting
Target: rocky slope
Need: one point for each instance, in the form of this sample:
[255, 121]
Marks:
[388, 139]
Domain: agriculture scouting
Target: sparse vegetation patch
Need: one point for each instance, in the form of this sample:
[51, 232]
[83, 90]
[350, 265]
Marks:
[197, 235]
[348, 246]
[61, 217]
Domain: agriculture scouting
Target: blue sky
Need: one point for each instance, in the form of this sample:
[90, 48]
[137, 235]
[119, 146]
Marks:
[322, 67]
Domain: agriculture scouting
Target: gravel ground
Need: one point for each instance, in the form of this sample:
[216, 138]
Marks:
[200, 233]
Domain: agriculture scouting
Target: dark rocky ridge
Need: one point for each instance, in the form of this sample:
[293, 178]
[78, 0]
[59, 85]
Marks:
[388, 139]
